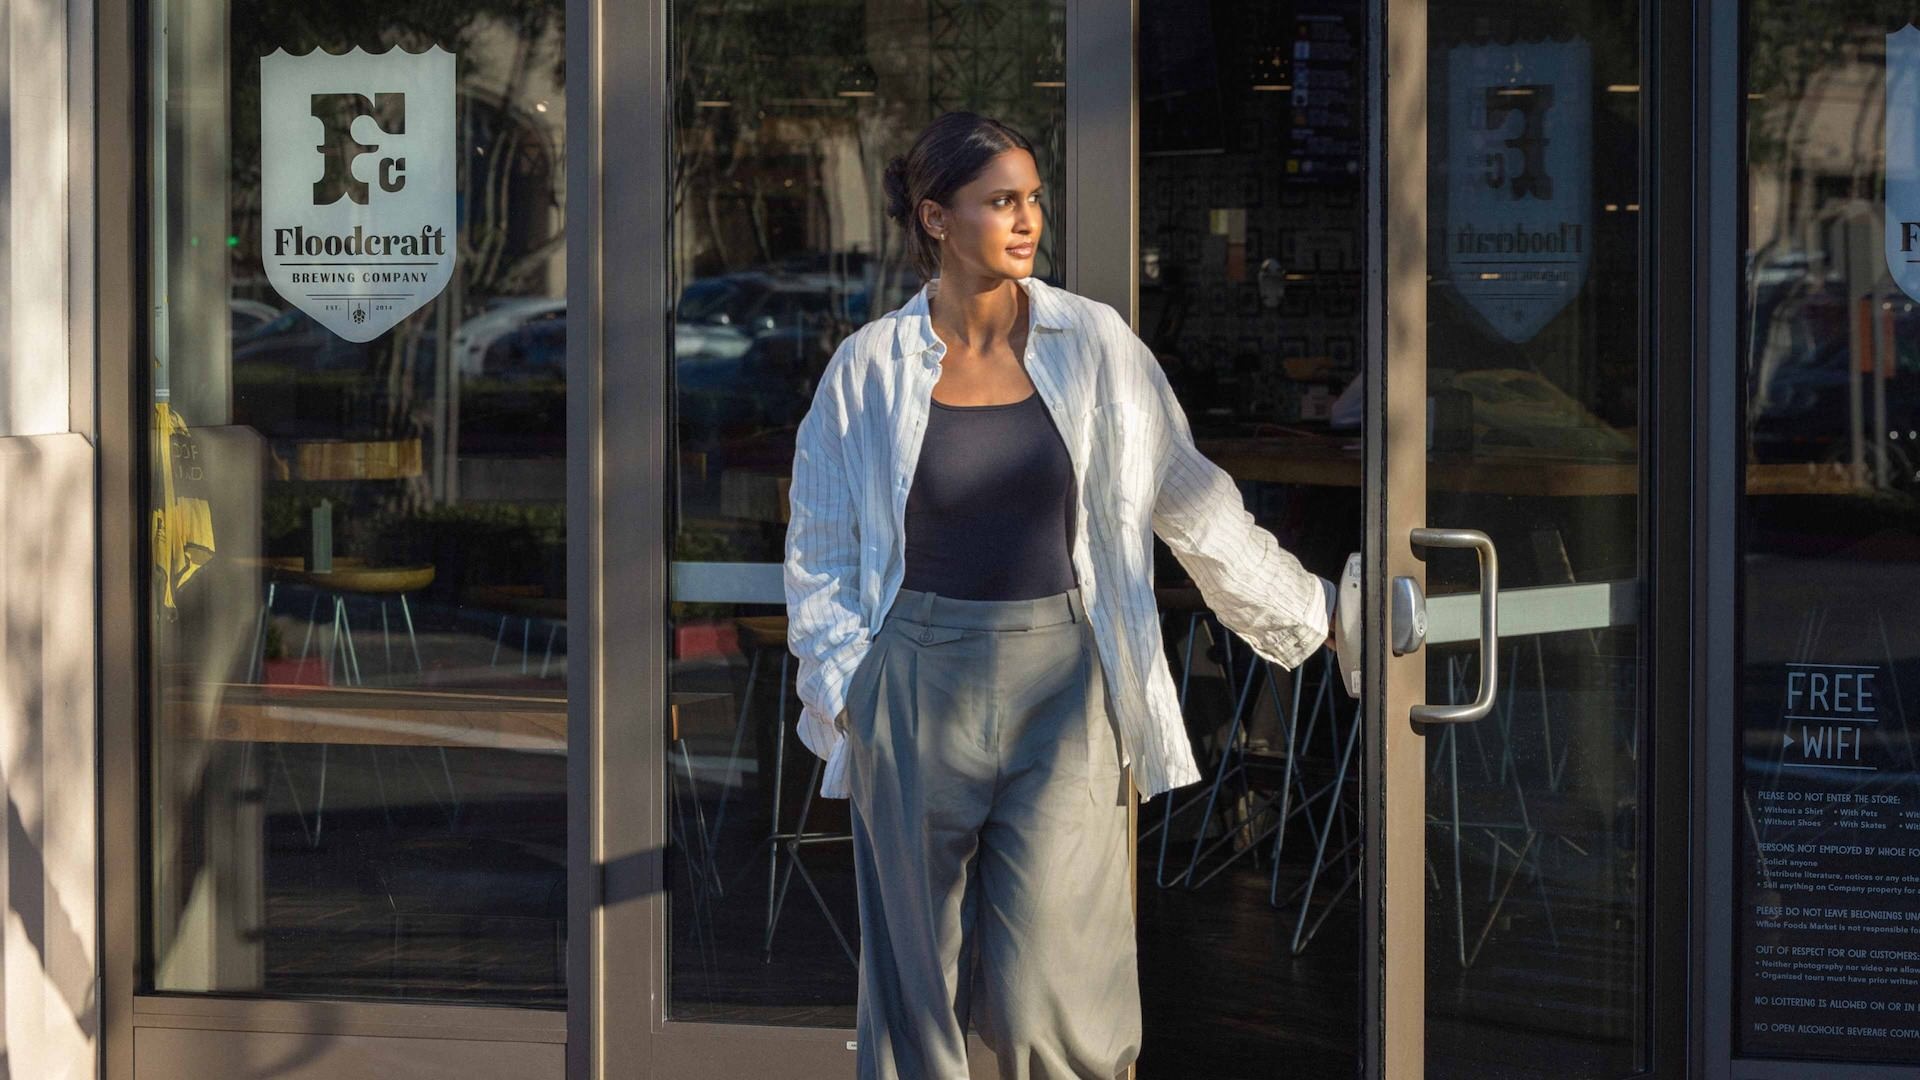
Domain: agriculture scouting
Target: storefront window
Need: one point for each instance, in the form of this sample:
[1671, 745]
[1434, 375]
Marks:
[1826, 965]
[357, 629]
[784, 117]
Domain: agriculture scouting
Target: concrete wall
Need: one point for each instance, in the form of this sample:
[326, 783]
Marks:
[33, 195]
[49, 1012]
[49, 1008]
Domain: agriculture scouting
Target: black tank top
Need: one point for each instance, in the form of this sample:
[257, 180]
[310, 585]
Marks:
[990, 512]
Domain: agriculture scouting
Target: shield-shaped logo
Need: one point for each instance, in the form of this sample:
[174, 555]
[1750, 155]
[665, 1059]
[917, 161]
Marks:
[1518, 225]
[1903, 158]
[357, 169]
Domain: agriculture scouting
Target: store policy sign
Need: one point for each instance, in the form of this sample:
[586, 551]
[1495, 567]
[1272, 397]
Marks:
[1518, 224]
[357, 184]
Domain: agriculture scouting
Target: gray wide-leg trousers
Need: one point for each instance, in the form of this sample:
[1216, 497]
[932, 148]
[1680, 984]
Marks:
[990, 845]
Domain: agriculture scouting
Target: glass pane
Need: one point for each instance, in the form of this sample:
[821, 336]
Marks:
[1252, 216]
[1830, 557]
[355, 762]
[1537, 882]
[785, 114]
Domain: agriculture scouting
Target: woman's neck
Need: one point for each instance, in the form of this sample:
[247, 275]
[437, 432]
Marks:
[976, 313]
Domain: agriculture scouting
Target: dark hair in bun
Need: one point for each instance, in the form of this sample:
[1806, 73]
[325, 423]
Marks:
[947, 156]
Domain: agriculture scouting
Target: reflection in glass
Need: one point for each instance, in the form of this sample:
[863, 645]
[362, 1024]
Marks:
[1536, 888]
[785, 115]
[1830, 555]
[355, 771]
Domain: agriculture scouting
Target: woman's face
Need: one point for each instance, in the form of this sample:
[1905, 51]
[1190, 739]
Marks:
[992, 226]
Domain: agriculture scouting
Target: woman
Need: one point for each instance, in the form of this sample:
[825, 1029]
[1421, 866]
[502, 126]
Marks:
[969, 590]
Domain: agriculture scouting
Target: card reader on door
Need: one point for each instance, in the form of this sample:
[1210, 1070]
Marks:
[1346, 633]
[1408, 622]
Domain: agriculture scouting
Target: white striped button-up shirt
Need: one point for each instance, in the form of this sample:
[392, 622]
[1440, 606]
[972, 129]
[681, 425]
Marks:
[1137, 474]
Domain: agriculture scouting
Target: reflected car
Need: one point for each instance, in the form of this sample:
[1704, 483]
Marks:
[533, 349]
[296, 340]
[248, 316]
[758, 302]
[748, 347]
[1801, 385]
[477, 335]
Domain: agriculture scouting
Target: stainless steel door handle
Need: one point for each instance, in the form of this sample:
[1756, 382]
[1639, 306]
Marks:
[1489, 625]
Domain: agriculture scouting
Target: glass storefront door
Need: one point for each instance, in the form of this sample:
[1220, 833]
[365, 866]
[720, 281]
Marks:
[1501, 863]
[1537, 865]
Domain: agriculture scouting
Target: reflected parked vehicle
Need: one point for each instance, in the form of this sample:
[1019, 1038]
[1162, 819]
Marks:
[247, 316]
[535, 348]
[294, 378]
[1801, 406]
[294, 339]
[476, 336]
[761, 302]
[749, 346]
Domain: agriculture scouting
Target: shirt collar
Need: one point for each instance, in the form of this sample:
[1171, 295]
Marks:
[915, 333]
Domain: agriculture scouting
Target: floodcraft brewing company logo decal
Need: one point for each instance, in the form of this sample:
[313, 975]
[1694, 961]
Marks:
[1519, 221]
[357, 178]
[1903, 159]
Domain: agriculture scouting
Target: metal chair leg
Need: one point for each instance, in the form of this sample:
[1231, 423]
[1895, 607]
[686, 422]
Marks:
[1252, 812]
[1294, 748]
[343, 643]
[546, 661]
[293, 789]
[733, 754]
[257, 660]
[320, 798]
[1167, 811]
[386, 639]
[1302, 934]
[413, 639]
[1228, 749]
[774, 835]
[793, 843]
[313, 613]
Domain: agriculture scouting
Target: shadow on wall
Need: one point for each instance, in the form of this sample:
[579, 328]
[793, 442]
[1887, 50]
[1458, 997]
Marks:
[50, 1011]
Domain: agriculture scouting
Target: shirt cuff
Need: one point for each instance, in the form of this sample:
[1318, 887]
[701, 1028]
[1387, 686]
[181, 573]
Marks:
[1333, 602]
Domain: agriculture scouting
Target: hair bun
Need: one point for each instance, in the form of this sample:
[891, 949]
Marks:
[895, 185]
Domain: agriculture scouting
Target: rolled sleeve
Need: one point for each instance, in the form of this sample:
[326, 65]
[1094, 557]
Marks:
[825, 628]
[1253, 585]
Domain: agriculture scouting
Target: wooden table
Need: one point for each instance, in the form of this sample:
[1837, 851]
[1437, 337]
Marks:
[340, 459]
[1336, 463]
[210, 734]
[359, 716]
